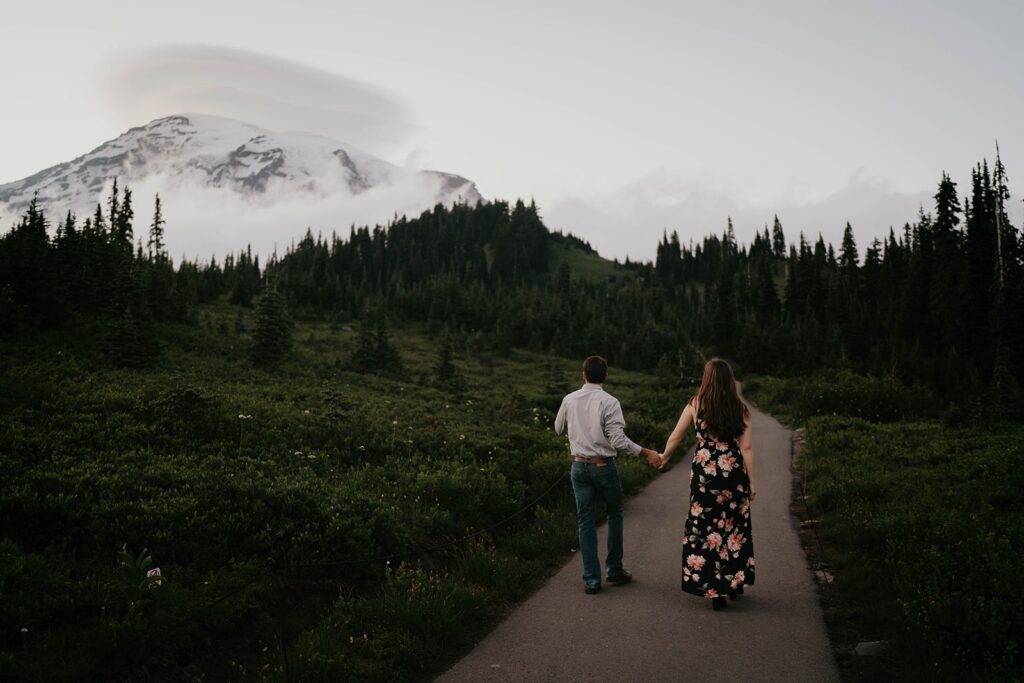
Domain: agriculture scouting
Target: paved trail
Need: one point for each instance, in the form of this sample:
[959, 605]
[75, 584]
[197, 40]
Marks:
[650, 630]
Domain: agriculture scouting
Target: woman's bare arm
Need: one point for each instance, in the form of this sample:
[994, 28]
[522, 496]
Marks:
[676, 437]
[747, 449]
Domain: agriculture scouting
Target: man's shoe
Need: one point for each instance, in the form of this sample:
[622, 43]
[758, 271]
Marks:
[621, 579]
[591, 590]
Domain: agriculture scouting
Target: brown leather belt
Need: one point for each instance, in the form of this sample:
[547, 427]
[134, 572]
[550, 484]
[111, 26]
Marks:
[598, 460]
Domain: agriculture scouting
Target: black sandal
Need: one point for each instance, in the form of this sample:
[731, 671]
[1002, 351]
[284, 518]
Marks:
[718, 604]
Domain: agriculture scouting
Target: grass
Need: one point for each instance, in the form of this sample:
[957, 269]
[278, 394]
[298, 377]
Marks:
[922, 524]
[232, 478]
[584, 266]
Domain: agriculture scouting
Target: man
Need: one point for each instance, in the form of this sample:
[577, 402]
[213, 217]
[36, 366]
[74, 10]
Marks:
[595, 424]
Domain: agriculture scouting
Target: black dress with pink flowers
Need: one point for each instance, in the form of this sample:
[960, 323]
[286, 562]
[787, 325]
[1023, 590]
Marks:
[718, 548]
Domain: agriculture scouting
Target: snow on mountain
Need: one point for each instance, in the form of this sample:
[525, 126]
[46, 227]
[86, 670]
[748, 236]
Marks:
[209, 151]
[226, 184]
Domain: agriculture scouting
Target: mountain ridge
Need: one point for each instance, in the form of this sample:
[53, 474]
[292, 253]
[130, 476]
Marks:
[207, 151]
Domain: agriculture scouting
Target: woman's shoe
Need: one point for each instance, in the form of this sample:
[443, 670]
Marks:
[718, 603]
[736, 593]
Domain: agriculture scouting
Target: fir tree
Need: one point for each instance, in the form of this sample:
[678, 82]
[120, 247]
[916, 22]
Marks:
[387, 356]
[445, 371]
[364, 358]
[156, 248]
[849, 258]
[273, 336]
[778, 240]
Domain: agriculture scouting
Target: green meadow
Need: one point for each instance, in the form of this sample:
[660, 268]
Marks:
[921, 517]
[272, 500]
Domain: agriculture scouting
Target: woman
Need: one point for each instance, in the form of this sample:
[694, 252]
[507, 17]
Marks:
[718, 549]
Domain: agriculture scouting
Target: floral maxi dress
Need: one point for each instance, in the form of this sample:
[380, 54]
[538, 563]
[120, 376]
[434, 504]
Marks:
[718, 548]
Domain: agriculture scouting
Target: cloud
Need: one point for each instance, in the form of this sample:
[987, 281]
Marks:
[630, 220]
[274, 93]
[202, 220]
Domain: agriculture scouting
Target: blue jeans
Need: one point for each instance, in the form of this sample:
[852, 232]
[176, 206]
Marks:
[590, 482]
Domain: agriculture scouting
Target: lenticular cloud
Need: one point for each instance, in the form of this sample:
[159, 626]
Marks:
[267, 91]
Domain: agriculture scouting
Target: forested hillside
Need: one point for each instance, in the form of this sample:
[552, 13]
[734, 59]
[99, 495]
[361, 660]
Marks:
[937, 302]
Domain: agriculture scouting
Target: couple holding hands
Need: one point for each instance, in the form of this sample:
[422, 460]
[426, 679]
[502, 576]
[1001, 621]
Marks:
[718, 549]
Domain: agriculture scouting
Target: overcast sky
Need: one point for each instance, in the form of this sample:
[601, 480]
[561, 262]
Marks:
[620, 119]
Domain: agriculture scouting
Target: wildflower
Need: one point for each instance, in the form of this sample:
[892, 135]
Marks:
[244, 417]
[394, 422]
[306, 412]
[311, 457]
[24, 629]
[298, 452]
[462, 437]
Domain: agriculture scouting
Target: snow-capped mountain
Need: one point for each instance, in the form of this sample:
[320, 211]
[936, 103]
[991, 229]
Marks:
[201, 151]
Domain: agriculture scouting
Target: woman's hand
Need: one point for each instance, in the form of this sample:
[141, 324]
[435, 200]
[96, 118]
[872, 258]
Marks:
[664, 460]
[753, 491]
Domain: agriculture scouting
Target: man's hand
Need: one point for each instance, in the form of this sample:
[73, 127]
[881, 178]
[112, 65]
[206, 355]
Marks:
[653, 457]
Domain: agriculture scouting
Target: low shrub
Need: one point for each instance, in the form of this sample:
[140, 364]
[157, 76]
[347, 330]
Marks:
[924, 525]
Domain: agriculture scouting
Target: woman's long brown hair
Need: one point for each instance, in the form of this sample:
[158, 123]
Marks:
[721, 409]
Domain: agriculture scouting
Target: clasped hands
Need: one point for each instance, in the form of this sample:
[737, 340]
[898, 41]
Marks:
[654, 458]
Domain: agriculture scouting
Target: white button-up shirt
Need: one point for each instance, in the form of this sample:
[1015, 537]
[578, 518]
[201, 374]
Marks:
[595, 423]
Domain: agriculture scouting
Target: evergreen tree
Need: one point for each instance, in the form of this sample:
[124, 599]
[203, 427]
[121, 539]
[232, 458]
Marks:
[778, 240]
[156, 249]
[364, 358]
[945, 285]
[26, 272]
[122, 223]
[849, 258]
[445, 371]
[273, 336]
[726, 329]
[387, 356]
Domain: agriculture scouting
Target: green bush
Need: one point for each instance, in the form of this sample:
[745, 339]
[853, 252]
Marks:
[879, 399]
[925, 525]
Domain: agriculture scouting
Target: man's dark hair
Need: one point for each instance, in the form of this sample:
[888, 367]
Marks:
[595, 369]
